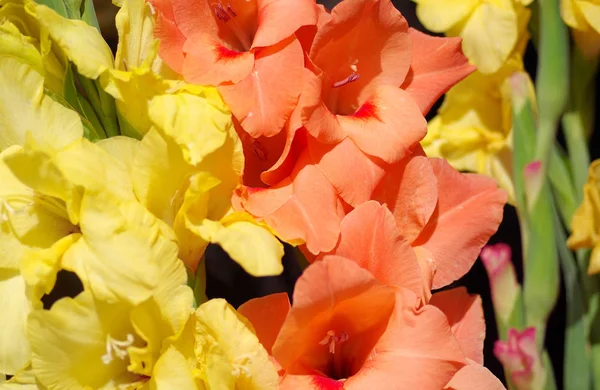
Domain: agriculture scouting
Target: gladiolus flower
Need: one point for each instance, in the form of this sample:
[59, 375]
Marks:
[246, 48]
[355, 333]
[585, 225]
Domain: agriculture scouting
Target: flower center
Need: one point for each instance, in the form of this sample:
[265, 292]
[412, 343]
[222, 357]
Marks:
[227, 16]
[116, 348]
[332, 338]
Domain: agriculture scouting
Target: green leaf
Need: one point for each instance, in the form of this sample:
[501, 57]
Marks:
[57, 5]
[88, 13]
[576, 362]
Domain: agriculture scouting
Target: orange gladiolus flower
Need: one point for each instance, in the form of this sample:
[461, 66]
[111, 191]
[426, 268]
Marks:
[346, 330]
[248, 48]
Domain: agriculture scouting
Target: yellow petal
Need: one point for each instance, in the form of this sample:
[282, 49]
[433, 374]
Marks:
[40, 267]
[591, 12]
[229, 351]
[252, 246]
[198, 125]
[23, 380]
[73, 343]
[162, 317]
[27, 220]
[120, 238]
[440, 15]
[173, 373]
[82, 43]
[25, 109]
[132, 92]
[135, 26]
[160, 175]
[585, 225]
[14, 306]
[489, 35]
[121, 149]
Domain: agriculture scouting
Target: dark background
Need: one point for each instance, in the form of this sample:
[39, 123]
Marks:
[226, 279]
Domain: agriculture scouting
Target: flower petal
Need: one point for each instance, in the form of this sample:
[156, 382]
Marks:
[437, 64]
[410, 191]
[383, 252]
[470, 208]
[415, 341]
[387, 125]
[264, 100]
[15, 351]
[335, 161]
[465, 315]
[280, 19]
[474, 377]
[267, 315]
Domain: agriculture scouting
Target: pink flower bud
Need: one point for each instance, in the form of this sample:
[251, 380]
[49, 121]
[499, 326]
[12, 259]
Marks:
[521, 359]
[503, 281]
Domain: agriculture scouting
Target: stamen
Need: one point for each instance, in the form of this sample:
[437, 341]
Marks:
[332, 338]
[353, 77]
[240, 365]
[116, 348]
[221, 13]
[231, 10]
[259, 150]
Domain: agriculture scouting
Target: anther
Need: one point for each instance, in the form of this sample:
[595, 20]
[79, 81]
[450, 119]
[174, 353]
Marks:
[353, 77]
[231, 10]
[331, 338]
[116, 348]
[221, 13]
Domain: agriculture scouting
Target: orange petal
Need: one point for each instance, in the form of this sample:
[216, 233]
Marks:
[346, 43]
[267, 315]
[469, 210]
[309, 382]
[194, 17]
[320, 122]
[259, 154]
[409, 189]
[437, 64]
[337, 161]
[209, 62]
[171, 39]
[474, 377]
[334, 294]
[294, 145]
[465, 315]
[388, 124]
[302, 208]
[280, 19]
[264, 100]
[383, 251]
[416, 341]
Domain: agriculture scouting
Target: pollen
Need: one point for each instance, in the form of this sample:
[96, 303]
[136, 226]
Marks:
[332, 338]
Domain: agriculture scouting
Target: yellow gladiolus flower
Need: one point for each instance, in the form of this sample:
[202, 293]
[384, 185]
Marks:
[193, 155]
[584, 19]
[585, 225]
[490, 29]
[84, 342]
[473, 128]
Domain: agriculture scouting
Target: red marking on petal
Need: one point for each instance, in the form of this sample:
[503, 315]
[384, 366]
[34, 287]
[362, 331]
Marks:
[224, 53]
[366, 111]
[324, 383]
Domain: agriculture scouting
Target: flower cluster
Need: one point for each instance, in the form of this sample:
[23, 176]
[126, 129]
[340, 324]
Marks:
[242, 124]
